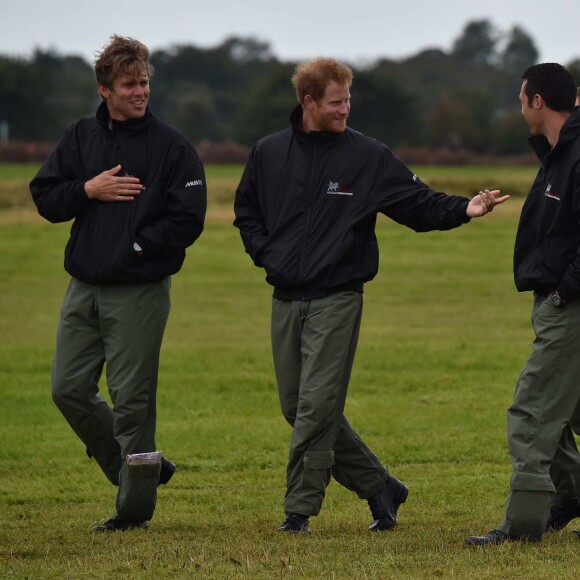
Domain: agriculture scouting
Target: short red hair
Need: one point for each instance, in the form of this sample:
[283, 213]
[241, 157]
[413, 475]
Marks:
[313, 76]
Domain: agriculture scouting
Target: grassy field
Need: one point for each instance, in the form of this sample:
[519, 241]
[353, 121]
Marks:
[444, 337]
[223, 179]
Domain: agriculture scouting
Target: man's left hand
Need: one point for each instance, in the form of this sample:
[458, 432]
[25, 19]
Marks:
[484, 202]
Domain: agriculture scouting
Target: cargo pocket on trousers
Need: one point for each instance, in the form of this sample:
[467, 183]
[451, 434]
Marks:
[317, 469]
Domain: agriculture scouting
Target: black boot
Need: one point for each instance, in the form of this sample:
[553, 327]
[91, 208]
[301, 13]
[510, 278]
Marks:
[296, 524]
[560, 516]
[167, 470]
[115, 525]
[492, 538]
[385, 504]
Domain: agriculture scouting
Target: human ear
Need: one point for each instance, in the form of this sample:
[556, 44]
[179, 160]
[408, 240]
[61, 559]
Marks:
[104, 91]
[309, 102]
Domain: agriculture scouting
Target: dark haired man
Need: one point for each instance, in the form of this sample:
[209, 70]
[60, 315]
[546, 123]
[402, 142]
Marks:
[306, 208]
[135, 189]
[545, 484]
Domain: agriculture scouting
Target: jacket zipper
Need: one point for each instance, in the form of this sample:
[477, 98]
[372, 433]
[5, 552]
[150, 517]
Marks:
[537, 216]
[309, 195]
[96, 230]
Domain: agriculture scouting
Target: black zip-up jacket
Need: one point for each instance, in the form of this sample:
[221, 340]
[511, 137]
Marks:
[165, 218]
[307, 205]
[547, 247]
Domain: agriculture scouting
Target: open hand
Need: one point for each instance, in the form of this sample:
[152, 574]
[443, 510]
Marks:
[109, 186]
[484, 202]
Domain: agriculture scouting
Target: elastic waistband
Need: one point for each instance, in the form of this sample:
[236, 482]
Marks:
[314, 293]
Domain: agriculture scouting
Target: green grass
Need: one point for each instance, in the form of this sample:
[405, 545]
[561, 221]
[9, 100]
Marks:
[469, 180]
[223, 180]
[17, 170]
[443, 339]
[14, 180]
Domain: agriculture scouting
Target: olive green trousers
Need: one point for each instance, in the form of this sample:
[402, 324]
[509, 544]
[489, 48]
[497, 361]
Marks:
[122, 326]
[540, 439]
[314, 344]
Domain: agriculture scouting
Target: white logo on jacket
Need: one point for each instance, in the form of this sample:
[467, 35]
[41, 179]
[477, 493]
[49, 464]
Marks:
[551, 194]
[334, 189]
[194, 183]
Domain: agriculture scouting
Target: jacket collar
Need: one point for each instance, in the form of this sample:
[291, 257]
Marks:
[569, 132]
[324, 137]
[130, 126]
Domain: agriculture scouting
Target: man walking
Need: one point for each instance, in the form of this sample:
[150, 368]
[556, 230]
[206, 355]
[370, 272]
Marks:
[306, 208]
[135, 189]
[545, 484]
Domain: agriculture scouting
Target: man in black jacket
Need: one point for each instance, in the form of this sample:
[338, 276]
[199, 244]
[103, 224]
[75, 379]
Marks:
[545, 484]
[135, 189]
[306, 208]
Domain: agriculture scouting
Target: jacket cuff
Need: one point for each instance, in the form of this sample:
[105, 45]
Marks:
[566, 295]
[149, 249]
[81, 198]
[461, 212]
[256, 253]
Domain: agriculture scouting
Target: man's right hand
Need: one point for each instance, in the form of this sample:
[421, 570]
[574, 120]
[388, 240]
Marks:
[107, 186]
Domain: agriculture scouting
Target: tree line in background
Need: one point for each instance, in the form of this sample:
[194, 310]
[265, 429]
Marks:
[463, 99]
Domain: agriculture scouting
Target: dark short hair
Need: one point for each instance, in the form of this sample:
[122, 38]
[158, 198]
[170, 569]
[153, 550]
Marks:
[313, 76]
[122, 55]
[554, 83]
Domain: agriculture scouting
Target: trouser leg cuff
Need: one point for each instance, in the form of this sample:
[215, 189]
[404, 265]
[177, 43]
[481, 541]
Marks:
[531, 482]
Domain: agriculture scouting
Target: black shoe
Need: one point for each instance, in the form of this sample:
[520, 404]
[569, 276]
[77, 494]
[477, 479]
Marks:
[115, 525]
[295, 524]
[492, 538]
[385, 504]
[167, 470]
[560, 516]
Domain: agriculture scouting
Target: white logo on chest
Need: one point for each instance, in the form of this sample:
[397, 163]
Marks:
[335, 189]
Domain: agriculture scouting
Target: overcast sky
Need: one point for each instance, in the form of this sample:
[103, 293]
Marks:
[357, 31]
